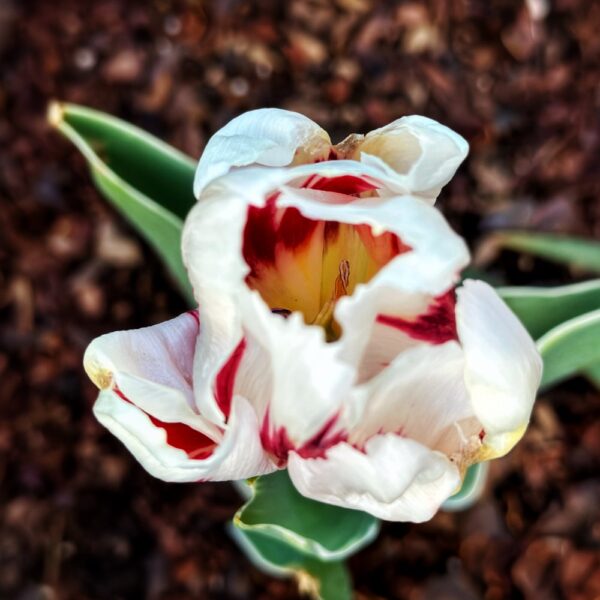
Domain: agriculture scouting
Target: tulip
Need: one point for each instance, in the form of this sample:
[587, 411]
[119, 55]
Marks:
[330, 338]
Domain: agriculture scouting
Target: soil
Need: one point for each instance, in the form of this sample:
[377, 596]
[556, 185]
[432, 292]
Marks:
[79, 518]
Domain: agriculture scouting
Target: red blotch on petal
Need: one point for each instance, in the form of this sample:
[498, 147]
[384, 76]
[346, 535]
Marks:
[225, 380]
[327, 437]
[193, 443]
[350, 185]
[269, 228]
[260, 234]
[331, 232]
[277, 441]
[295, 229]
[436, 326]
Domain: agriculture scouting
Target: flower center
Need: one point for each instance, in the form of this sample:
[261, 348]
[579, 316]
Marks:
[307, 265]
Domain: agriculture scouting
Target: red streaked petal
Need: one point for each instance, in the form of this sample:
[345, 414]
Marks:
[344, 184]
[328, 436]
[277, 441]
[225, 380]
[195, 444]
[260, 235]
[295, 229]
[436, 326]
[268, 228]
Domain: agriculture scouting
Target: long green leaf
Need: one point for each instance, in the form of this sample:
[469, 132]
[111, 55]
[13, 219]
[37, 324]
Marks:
[576, 252]
[315, 529]
[593, 374]
[321, 580]
[541, 309]
[571, 348]
[149, 182]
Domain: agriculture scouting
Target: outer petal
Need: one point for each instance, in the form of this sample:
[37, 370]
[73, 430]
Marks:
[297, 383]
[424, 153]
[395, 479]
[268, 136]
[147, 401]
[237, 456]
[502, 365]
[154, 366]
[421, 395]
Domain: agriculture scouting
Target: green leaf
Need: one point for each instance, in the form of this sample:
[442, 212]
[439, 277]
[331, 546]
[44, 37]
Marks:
[284, 532]
[312, 528]
[572, 251]
[149, 182]
[541, 309]
[471, 489]
[570, 348]
[593, 375]
[320, 579]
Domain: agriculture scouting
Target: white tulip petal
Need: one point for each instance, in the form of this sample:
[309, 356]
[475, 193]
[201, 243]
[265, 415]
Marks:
[394, 478]
[421, 395]
[301, 386]
[173, 452]
[502, 365]
[154, 366]
[147, 400]
[405, 288]
[267, 136]
[422, 152]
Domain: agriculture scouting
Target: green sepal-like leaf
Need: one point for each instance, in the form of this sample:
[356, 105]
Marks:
[541, 309]
[570, 348]
[318, 530]
[575, 252]
[149, 182]
[471, 489]
[321, 580]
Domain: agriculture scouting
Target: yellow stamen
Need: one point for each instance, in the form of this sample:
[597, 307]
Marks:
[340, 288]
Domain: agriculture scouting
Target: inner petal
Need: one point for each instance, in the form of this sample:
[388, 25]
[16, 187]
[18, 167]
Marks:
[306, 265]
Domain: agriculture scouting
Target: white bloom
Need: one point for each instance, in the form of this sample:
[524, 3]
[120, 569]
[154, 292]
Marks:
[329, 338]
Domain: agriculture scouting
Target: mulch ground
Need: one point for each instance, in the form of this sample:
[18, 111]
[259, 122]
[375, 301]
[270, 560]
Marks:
[79, 519]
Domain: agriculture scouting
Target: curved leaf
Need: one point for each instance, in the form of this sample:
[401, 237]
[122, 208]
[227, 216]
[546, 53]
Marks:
[573, 251]
[593, 374]
[318, 530]
[471, 489]
[541, 309]
[321, 580]
[283, 532]
[149, 182]
[570, 348]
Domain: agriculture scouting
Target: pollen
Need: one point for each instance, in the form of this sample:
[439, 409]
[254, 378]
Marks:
[102, 378]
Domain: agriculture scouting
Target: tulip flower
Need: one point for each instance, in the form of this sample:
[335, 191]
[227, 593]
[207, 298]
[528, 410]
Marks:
[330, 338]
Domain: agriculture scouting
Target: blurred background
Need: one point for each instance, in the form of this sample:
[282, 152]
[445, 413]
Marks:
[520, 80]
